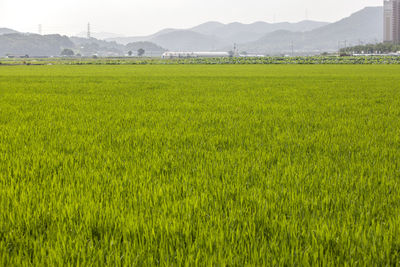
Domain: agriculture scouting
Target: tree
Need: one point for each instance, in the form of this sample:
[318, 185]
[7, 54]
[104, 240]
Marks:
[372, 48]
[130, 53]
[141, 52]
[67, 52]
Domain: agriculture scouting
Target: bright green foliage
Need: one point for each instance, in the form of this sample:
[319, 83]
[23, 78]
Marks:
[200, 165]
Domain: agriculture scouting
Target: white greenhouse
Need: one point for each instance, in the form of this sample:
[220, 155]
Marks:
[194, 54]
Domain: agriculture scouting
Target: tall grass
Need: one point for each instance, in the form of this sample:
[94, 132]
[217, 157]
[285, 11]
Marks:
[200, 165]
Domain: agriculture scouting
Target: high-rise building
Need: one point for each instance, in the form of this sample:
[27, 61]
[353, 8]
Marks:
[391, 31]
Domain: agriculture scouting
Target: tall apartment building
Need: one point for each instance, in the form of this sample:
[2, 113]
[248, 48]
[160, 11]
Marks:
[391, 22]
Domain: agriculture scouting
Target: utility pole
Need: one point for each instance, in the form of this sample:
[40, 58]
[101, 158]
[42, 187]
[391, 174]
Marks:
[291, 45]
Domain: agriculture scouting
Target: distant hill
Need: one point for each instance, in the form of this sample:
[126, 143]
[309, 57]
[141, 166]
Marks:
[147, 46]
[92, 46]
[89, 47]
[365, 26]
[33, 44]
[242, 33]
[184, 40]
[19, 44]
[127, 40]
[100, 35]
[6, 31]
[150, 48]
[217, 34]
[208, 28]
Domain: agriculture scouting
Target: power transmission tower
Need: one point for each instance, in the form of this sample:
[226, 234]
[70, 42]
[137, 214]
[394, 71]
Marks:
[88, 31]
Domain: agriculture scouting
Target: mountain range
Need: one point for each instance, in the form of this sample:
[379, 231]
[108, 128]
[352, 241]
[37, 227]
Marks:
[364, 26]
[305, 37]
[214, 35]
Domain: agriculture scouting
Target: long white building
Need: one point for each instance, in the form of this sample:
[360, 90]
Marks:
[194, 54]
[391, 32]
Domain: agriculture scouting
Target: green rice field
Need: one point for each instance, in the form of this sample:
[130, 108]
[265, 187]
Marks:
[200, 165]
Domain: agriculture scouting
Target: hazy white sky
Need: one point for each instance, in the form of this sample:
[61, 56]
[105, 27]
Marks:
[137, 17]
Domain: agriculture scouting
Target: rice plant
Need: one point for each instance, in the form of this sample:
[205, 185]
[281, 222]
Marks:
[200, 165]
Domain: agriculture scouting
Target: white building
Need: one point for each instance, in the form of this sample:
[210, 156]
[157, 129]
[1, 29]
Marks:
[194, 54]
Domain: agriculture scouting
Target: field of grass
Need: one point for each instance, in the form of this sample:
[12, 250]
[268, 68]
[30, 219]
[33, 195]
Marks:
[200, 165]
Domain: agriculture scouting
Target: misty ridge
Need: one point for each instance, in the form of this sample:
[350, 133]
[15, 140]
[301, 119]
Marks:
[306, 37]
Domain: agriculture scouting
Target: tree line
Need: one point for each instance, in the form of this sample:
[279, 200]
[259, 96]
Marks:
[380, 48]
